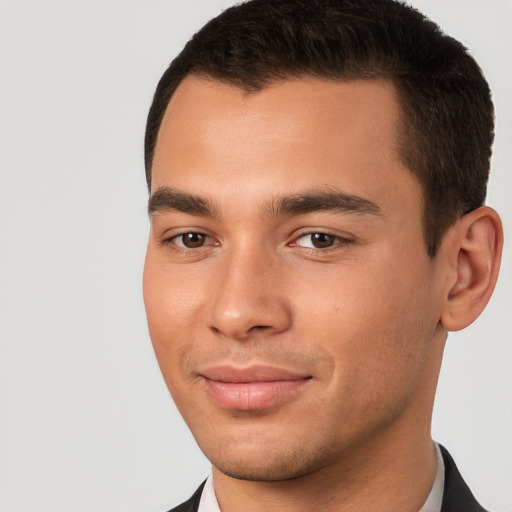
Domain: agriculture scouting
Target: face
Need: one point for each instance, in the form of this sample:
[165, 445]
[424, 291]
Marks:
[290, 298]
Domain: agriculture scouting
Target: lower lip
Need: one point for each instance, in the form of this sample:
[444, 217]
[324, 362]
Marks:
[249, 396]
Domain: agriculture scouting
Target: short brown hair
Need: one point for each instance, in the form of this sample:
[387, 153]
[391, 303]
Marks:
[447, 125]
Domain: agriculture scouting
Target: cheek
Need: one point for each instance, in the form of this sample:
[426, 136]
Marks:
[171, 296]
[172, 305]
[376, 322]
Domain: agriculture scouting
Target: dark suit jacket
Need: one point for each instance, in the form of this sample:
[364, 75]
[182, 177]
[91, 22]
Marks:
[457, 496]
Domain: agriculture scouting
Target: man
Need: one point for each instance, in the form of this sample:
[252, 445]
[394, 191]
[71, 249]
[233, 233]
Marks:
[317, 173]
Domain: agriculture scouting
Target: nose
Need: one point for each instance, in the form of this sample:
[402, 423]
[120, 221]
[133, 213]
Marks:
[249, 298]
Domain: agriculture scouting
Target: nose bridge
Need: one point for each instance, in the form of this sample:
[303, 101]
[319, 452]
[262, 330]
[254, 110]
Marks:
[249, 296]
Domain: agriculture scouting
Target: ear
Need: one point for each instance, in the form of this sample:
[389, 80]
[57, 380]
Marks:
[475, 251]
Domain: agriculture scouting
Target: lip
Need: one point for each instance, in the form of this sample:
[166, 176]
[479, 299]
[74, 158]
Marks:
[251, 388]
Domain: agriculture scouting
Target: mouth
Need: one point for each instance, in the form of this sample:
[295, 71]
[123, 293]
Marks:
[252, 388]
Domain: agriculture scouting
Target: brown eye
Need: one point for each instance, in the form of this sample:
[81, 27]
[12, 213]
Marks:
[191, 240]
[322, 240]
[319, 240]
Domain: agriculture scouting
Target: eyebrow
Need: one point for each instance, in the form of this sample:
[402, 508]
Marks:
[167, 198]
[321, 200]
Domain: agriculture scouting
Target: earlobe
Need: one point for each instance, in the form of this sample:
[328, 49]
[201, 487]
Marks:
[478, 239]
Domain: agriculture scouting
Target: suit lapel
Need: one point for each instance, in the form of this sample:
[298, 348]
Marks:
[192, 504]
[457, 497]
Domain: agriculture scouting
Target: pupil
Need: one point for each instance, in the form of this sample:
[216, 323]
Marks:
[321, 240]
[192, 240]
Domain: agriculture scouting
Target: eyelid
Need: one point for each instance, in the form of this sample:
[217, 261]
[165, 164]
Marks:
[340, 240]
[169, 240]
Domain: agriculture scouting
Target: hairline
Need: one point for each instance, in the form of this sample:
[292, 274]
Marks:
[403, 140]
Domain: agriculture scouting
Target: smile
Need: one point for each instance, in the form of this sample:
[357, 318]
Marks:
[252, 388]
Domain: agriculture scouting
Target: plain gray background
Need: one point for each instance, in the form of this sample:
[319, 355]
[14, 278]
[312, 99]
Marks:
[86, 423]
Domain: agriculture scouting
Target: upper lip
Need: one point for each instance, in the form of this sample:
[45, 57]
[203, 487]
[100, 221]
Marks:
[252, 373]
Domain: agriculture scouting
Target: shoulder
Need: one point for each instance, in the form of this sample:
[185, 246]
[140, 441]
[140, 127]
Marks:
[192, 504]
[457, 495]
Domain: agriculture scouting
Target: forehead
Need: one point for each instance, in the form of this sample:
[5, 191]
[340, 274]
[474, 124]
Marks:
[364, 106]
[295, 134]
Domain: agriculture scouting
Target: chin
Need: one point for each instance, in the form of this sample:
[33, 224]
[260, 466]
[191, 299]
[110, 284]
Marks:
[279, 472]
[267, 463]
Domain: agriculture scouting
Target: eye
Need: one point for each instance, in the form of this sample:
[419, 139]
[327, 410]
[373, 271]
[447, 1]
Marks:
[318, 240]
[190, 240]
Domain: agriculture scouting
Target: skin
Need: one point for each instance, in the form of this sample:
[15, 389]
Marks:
[361, 319]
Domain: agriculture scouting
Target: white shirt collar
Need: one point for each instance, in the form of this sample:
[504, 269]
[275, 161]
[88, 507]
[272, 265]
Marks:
[209, 501]
[435, 498]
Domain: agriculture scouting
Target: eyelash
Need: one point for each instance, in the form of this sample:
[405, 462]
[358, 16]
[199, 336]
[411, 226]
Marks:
[338, 242]
[171, 242]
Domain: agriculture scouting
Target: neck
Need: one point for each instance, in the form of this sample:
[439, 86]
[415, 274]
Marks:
[394, 470]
